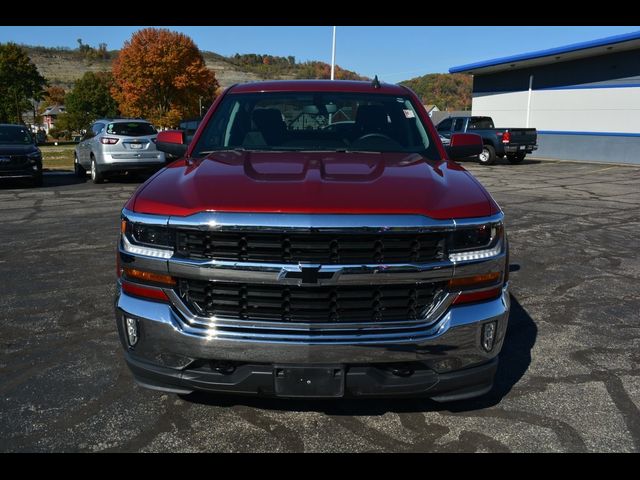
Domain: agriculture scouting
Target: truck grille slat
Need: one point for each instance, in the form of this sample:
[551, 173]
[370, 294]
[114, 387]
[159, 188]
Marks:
[327, 248]
[361, 303]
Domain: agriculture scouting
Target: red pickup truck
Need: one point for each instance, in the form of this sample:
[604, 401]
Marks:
[315, 239]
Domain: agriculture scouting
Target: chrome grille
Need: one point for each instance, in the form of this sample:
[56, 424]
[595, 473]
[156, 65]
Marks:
[308, 304]
[323, 248]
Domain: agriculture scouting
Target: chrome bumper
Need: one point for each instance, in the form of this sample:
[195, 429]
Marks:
[451, 342]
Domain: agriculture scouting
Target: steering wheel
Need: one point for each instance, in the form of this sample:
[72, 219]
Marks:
[373, 135]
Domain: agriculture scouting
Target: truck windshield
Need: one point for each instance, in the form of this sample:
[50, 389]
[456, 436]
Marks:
[316, 121]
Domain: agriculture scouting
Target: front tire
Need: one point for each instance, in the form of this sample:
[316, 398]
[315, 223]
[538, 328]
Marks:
[517, 158]
[78, 169]
[96, 175]
[488, 155]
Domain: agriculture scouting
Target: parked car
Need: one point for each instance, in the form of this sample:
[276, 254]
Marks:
[515, 143]
[113, 146]
[19, 155]
[271, 260]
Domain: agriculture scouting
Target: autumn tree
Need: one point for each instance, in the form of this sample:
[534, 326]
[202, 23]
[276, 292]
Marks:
[449, 91]
[90, 99]
[160, 75]
[315, 69]
[53, 95]
[20, 82]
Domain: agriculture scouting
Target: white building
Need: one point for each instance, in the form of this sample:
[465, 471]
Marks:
[583, 98]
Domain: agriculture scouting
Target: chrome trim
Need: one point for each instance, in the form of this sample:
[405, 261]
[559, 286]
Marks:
[160, 220]
[195, 324]
[471, 222]
[452, 343]
[255, 272]
[375, 274]
[308, 222]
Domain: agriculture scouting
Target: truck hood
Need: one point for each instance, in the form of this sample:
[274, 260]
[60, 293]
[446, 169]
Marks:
[314, 182]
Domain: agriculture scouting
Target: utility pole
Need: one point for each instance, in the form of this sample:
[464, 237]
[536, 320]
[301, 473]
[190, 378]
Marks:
[333, 55]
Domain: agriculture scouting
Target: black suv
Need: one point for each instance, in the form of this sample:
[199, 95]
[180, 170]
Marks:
[19, 156]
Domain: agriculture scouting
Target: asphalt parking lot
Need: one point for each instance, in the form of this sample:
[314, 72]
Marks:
[569, 377]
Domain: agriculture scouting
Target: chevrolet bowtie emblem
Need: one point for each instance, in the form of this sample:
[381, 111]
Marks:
[307, 274]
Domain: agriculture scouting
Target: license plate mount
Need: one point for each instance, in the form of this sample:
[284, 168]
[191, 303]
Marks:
[316, 381]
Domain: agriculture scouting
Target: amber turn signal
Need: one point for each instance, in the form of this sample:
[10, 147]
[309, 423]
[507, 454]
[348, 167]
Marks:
[133, 273]
[123, 226]
[474, 281]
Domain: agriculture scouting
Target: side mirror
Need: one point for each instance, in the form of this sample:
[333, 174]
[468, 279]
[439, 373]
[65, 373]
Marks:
[172, 142]
[463, 145]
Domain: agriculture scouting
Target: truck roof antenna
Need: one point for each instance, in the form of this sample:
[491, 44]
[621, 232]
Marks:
[375, 83]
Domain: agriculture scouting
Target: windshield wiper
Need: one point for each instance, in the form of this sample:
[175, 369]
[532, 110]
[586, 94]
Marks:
[235, 149]
[346, 150]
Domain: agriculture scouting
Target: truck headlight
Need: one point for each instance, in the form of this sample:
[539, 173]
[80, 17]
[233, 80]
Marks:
[149, 240]
[476, 243]
[151, 235]
[34, 156]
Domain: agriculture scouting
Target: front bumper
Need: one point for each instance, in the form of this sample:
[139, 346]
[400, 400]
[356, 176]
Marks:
[130, 161]
[446, 356]
[20, 172]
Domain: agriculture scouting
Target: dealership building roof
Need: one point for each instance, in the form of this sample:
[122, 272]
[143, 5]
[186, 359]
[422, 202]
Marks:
[616, 43]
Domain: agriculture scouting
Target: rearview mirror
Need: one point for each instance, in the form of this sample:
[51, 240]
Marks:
[463, 145]
[172, 142]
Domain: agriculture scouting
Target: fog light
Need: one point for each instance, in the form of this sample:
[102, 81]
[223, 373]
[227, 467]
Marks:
[488, 335]
[132, 331]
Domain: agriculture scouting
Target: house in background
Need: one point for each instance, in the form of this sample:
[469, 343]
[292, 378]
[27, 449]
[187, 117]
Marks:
[431, 109]
[50, 115]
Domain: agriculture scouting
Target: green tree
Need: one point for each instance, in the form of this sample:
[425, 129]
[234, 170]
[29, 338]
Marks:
[449, 91]
[20, 81]
[90, 99]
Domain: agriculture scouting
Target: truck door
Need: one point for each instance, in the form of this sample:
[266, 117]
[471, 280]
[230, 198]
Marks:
[459, 125]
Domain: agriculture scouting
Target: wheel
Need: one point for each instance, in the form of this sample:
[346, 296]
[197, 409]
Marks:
[96, 175]
[488, 155]
[517, 158]
[79, 169]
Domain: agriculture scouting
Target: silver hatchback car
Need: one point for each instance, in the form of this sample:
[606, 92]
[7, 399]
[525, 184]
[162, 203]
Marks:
[117, 145]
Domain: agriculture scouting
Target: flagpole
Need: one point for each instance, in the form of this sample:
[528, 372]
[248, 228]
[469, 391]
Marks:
[333, 54]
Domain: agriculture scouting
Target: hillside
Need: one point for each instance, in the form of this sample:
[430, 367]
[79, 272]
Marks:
[62, 66]
[449, 91]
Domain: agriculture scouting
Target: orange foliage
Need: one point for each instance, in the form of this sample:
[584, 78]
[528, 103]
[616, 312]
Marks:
[160, 75]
